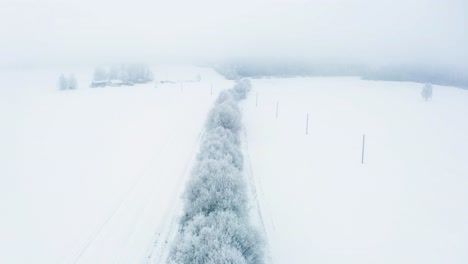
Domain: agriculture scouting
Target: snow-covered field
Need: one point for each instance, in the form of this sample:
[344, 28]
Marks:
[94, 175]
[408, 202]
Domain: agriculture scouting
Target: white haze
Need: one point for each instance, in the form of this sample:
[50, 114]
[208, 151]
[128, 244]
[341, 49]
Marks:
[57, 32]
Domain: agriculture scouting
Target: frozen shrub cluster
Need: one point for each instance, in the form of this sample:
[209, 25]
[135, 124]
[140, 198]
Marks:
[242, 88]
[215, 185]
[226, 114]
[229, 71]
[219, 237]
[222, 145]
[215, 226]
[227, 95]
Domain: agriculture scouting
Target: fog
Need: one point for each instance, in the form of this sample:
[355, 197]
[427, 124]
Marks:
[57, 32]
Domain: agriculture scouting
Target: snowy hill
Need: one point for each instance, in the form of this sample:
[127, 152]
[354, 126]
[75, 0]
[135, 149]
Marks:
[406, 204]
[94, 175]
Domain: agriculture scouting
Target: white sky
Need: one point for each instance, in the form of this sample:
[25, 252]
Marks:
[42, 32]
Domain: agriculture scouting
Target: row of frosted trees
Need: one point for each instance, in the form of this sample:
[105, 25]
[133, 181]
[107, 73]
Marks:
[127, 74]
[215, 225]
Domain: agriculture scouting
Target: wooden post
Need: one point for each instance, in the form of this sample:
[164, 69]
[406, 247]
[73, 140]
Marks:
[277, 106]
[363, 145]
[256, 100]
[307, 124]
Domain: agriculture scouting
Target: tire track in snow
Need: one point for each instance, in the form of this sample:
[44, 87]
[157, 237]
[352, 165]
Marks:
[148, 208]
[125, 198]
[169, 226]
[257, 202]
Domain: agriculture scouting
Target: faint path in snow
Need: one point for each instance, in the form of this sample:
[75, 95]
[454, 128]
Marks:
[258, 206]
[167, 231]
[131, 207]
[103, 165]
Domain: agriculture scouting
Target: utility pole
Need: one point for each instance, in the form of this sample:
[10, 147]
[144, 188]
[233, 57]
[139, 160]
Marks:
[277, 106]
[363, 145]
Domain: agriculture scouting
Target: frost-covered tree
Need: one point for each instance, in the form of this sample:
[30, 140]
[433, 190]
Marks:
[226, 95]
[124, 76]
[150, 75]
[225, 114]
[129, 74]
[115, 73]
[219, 237]
[215, 226]
[100, 74]
[426, 91]
[72, 82]
[63, 82]
[242, 88]
[237, 93]
[139, 73]
[215, 185]
[221, 144]
[229, 71]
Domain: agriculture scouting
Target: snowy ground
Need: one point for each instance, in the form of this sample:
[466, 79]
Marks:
[408, 203]
[94, 175]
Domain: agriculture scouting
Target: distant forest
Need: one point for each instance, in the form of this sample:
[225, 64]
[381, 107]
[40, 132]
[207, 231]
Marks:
[125, 74]
[410, 73]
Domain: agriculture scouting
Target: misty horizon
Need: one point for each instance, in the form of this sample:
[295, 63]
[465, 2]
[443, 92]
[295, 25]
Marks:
[359, 32]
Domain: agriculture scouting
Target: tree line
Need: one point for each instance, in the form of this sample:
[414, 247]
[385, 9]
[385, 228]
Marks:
[125, 74]
[215, 225]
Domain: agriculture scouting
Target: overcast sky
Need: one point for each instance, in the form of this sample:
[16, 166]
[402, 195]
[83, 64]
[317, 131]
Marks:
[44, 32]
